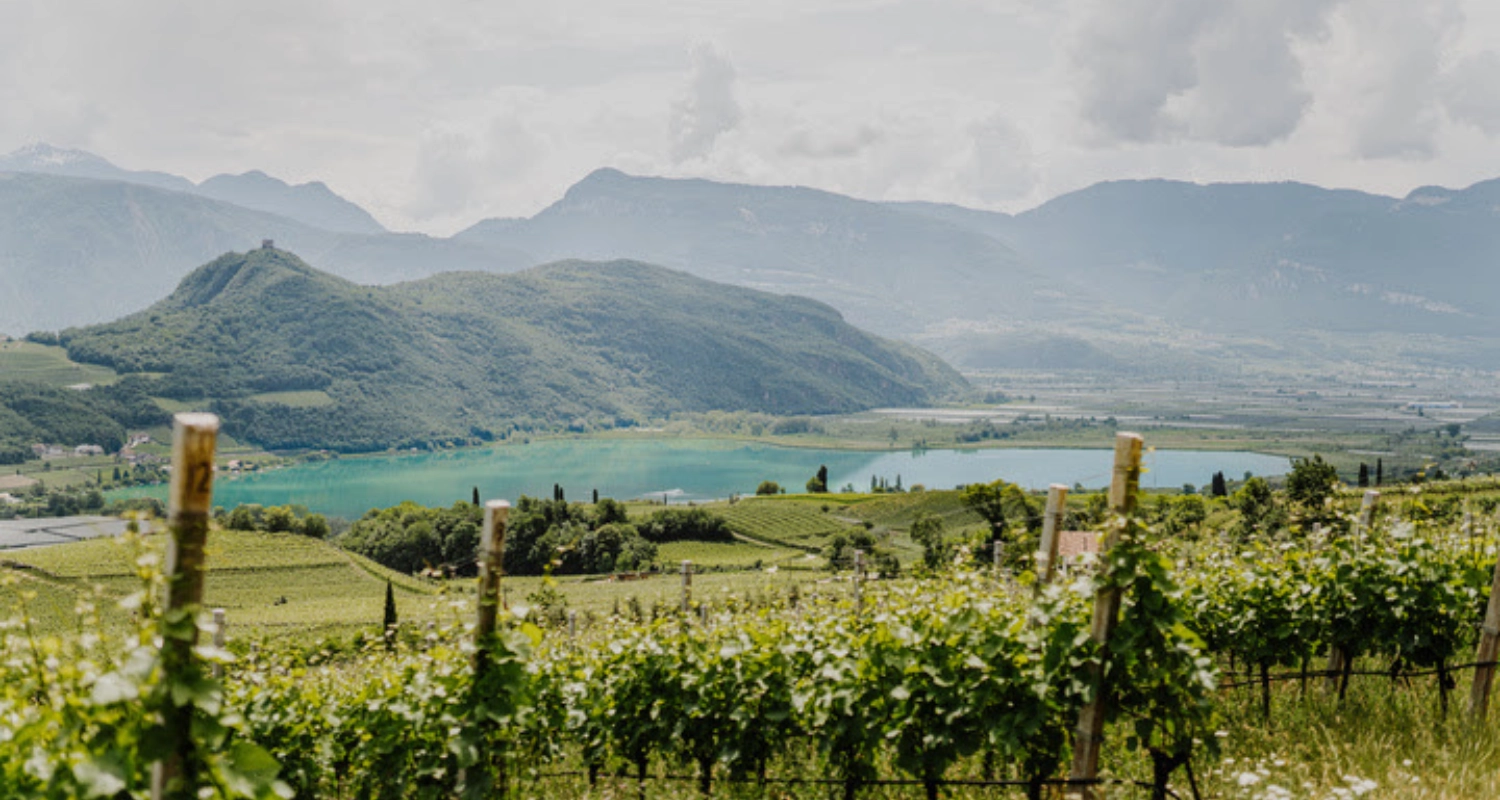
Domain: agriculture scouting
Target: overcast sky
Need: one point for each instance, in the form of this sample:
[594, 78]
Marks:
[435, 114]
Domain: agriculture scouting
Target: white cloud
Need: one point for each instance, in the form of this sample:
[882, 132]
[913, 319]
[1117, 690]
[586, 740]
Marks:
[1471, 91]
[1388, 57]
[1224, 72]
[708, 109]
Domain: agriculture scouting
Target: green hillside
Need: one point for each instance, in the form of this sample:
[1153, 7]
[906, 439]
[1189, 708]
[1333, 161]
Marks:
[270, 584]
[294, 357]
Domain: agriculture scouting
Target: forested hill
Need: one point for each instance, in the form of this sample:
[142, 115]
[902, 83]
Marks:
[295, 357]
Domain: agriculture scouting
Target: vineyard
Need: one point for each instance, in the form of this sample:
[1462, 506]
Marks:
[268, 582]
[798, 525]
[1171, 657]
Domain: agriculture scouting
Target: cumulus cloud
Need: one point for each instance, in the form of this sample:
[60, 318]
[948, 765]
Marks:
[1132, 56]
[1225, 72]
[1471, 91]
[708, 108]
[1391, 61]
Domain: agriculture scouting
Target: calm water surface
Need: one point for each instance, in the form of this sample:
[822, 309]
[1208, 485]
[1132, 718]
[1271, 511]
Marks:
[684, 470]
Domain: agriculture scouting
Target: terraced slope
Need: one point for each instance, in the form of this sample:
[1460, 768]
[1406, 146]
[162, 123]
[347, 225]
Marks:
[276, 584]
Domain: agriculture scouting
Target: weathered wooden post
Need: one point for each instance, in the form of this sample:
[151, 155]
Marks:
[1337, 658]
[219, 625]
[491, 567]
[687, 587]
[1489, 648]
[572, 624]
[859, 579]
[194, 437]
[1468, 528]
[1052, 523]
[1090, 733]
[1366, 516]
[999, 553]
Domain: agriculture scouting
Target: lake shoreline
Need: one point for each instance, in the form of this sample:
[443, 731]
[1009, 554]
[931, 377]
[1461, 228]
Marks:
[679, 469]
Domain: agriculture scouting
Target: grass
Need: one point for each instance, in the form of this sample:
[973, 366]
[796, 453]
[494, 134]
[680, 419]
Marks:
[307, 399]
[36, 363]
[1387, 733]
[171, 406]
[727, 554]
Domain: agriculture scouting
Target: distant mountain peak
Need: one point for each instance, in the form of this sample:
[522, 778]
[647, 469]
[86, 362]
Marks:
[1429, 195]
[47, 159]
[605, 174]
[602, 179]
[311, 203]
[41, 154]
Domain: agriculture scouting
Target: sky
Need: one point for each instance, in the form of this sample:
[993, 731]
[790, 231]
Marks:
[434, 115]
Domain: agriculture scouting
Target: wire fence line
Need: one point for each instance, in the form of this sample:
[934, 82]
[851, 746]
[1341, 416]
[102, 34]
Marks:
[871, 782]
[1276, 677]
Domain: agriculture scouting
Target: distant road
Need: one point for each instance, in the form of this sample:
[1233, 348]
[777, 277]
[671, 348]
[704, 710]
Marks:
[20, 533]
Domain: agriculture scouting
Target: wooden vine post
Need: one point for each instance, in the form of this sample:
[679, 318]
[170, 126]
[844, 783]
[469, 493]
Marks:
[1366, 516]
[1052, 523]
[491, 567]
[1090, 733]
[1337, 659]
[859, 579]
[1489, 648]
[687, 587]
[219, 634]
[190, 505]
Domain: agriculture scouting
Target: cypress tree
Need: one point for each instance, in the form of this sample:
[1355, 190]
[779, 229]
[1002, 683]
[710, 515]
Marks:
[476, 495]
[390, 617]
[596, 497]
[1364, 474]
[1379, 471]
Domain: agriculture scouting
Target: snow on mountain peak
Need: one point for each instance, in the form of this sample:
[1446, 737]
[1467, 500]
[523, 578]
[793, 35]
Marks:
[41, 154]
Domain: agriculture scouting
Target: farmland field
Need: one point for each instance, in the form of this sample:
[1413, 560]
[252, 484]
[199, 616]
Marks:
[34, 363]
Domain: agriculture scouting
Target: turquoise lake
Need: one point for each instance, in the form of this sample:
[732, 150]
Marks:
[685, 470]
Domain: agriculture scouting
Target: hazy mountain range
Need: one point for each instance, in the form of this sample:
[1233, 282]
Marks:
[1154, 275]
[310, 203]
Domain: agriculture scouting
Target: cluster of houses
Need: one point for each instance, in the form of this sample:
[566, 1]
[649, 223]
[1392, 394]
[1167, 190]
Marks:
[59, 451]
[127, 453]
